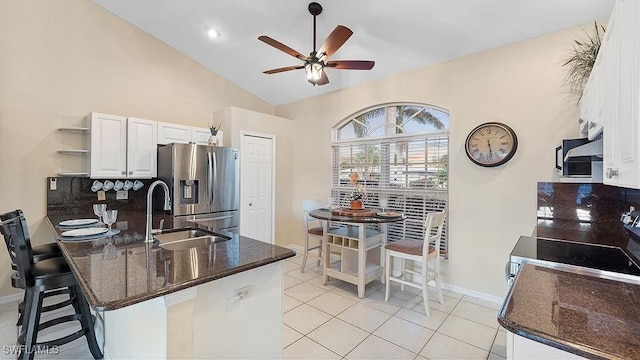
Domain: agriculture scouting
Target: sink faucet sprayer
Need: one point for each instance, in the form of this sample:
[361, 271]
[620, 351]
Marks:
[167, 206]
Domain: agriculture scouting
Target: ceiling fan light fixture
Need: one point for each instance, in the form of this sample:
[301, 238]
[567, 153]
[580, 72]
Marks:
[212, 33]
[314, 71]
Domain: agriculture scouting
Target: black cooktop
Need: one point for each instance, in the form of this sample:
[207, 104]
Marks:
[593, 256]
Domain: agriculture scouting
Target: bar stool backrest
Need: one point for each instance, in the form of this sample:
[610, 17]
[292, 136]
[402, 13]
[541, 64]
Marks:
[16, 236]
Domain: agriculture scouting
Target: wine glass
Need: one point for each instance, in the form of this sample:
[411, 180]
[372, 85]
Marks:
[383, 203]
[99, 209]
[109, 217]
[109, 251]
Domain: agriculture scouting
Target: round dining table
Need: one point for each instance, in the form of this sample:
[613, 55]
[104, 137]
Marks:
[358, 237]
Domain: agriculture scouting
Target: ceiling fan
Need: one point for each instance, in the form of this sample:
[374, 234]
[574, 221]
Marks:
[316, 62]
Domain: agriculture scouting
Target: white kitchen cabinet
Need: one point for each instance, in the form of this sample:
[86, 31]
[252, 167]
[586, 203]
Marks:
[621, 132]
[142, 144]
[234, 317]
[200, 136]
[122, 147]
[173, 133]
[519, 347]
[596, 121]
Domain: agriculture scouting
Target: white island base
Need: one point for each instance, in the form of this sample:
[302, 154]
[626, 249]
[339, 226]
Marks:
[519, 347]
[238, 316]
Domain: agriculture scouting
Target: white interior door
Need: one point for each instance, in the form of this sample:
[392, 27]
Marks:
[256, 187]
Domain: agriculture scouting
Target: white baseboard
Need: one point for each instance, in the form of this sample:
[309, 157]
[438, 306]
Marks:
[475, 294]
[457, 289]
[11, 298]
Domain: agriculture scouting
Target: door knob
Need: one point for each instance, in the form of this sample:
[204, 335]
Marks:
[611, 173]
[250, 204]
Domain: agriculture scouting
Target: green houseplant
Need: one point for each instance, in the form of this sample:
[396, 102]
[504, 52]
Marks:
[581, 59]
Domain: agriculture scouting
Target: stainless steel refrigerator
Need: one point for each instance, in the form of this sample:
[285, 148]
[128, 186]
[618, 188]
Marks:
[204, 184]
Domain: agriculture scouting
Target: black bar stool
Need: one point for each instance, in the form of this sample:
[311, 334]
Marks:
[37, 279]
[40, 252]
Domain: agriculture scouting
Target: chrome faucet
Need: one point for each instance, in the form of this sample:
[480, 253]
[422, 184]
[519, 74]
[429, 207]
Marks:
[167, 206]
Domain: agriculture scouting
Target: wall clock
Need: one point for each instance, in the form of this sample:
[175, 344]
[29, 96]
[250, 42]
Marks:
[491, 144]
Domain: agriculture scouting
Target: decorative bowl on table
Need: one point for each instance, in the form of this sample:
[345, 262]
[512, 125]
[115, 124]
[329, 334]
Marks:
[356, 205]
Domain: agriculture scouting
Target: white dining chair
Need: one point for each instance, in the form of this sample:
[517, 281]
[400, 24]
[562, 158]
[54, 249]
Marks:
[313, 232]
[426, 251]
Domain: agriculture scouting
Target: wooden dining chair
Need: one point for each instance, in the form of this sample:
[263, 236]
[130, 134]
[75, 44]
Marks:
[426, 251]
[313, 232]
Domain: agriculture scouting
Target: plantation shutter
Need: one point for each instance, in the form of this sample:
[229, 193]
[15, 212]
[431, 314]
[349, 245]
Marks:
[410, 171]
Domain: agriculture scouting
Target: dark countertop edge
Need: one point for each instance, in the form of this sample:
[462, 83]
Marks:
[135, 300]
[543, 338]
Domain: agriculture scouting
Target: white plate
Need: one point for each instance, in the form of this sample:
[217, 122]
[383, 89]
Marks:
[389, 214]
[84, 232]
[78, 222]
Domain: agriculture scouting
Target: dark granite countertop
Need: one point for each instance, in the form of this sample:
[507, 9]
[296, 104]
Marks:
[140, 271]
[583, 314]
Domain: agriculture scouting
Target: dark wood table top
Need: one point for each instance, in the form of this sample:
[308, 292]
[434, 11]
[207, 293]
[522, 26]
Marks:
[338, 216]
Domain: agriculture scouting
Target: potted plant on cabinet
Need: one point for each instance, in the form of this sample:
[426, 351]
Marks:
[581, 59]
[213, 139]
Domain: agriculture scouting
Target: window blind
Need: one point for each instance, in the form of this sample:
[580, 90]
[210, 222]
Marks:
[410, 171]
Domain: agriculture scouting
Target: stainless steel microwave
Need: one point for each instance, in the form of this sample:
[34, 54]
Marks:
[571, 162]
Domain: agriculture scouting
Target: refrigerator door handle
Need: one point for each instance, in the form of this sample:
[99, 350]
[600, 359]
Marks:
[209, 177]
[215, 179]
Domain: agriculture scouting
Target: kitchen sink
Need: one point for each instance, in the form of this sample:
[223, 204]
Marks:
[186, 239]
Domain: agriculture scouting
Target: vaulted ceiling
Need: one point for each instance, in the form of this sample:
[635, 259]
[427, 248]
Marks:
[399, 35]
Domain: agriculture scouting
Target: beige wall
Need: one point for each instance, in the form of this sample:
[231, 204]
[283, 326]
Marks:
[520, 85]
[61, 59]
[238, 121]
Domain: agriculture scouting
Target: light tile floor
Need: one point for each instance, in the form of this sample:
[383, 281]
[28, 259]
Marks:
[331, 322]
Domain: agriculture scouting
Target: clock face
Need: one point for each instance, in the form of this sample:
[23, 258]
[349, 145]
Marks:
[491, 144]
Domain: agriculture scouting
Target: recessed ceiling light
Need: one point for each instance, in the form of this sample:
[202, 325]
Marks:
[213, 33]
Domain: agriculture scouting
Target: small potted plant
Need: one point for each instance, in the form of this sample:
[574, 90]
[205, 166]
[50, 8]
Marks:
[358, 193]
[581, 59]
[213, 139]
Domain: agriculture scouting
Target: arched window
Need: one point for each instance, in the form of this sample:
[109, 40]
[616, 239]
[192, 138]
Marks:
[401, 153]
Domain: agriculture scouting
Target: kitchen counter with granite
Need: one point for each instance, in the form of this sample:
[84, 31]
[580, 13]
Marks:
[138, 271]
[579, 313]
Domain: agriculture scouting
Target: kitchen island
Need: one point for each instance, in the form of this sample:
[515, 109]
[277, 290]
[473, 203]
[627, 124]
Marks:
[219, 301]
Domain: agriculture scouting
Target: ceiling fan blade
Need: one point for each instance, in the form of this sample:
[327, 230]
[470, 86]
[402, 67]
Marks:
[334, 41]
[351, 64]
[282, 47]
[282, 69]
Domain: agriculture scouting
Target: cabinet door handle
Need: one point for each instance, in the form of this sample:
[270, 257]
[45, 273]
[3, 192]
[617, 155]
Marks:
[592, 125]
[124, 173]
[580, 121]
[130, 172]
[611, 173]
